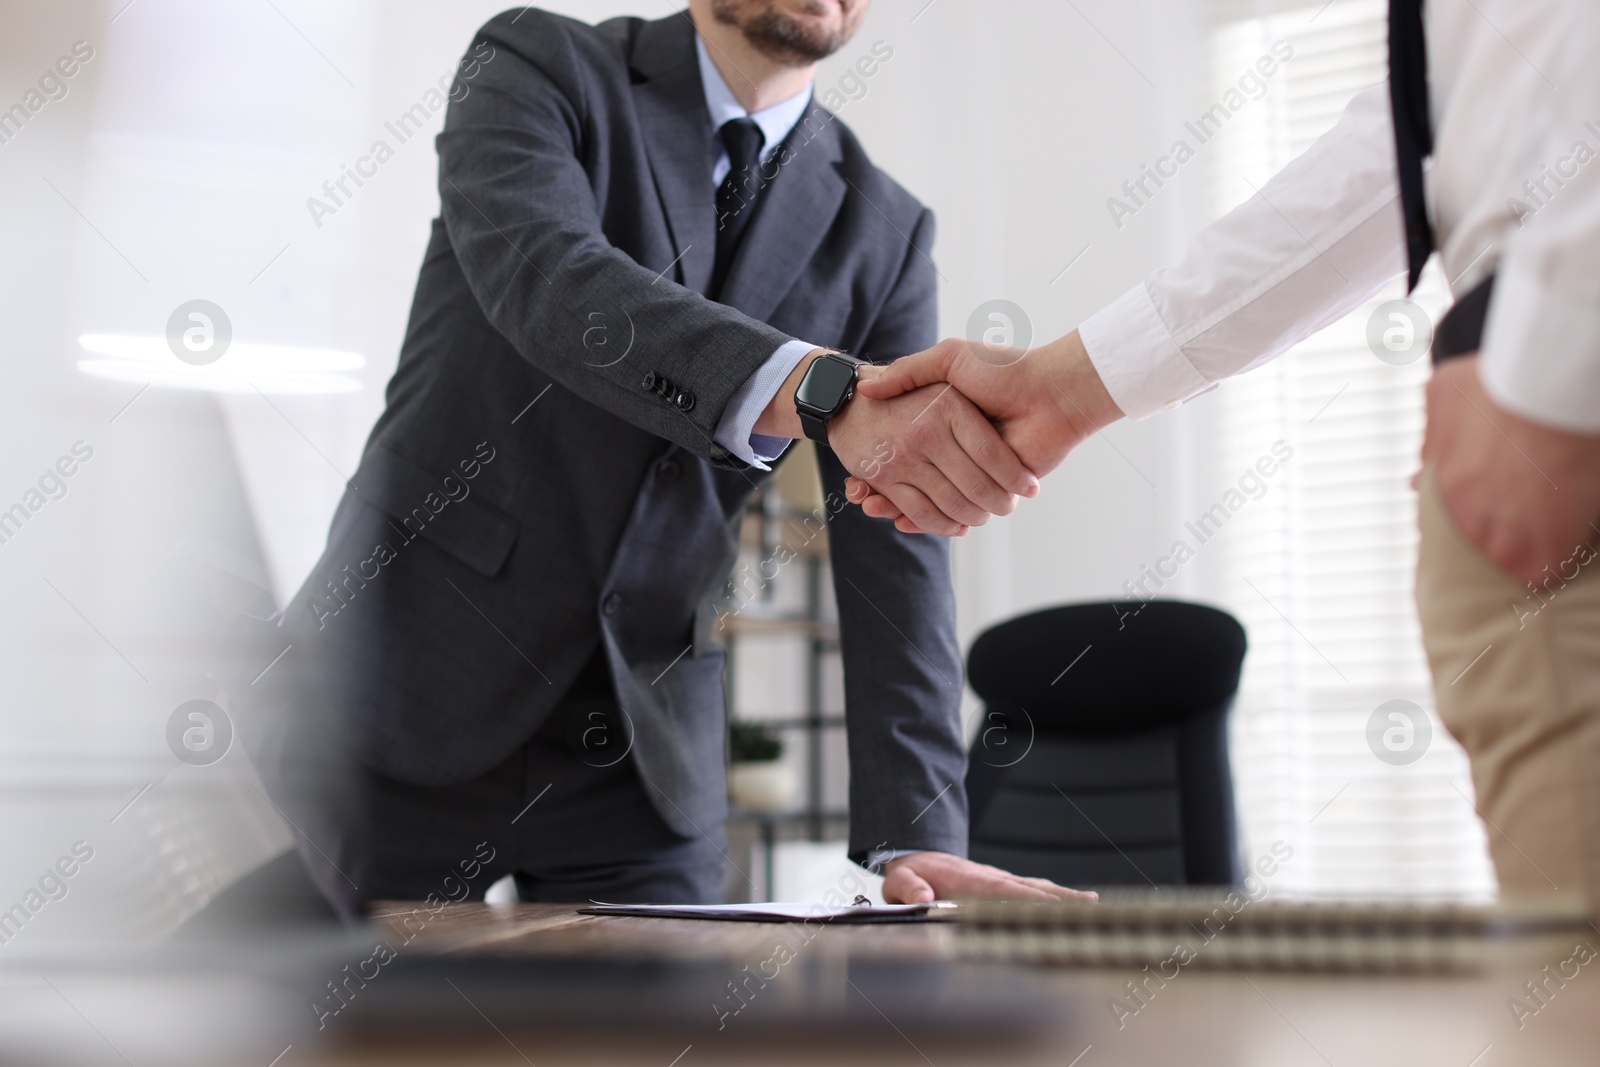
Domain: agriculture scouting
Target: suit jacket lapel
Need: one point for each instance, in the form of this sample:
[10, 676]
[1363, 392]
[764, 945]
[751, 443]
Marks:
[793, 214]
[673, 120]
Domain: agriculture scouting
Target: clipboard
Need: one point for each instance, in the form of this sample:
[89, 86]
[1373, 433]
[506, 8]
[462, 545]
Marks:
[861, 911]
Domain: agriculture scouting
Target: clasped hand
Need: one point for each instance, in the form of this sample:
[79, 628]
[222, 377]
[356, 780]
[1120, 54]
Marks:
[932, 456]
[1040, 404]
[924, 449]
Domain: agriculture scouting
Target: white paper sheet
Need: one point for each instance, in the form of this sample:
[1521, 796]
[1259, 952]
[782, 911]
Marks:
[773, 911]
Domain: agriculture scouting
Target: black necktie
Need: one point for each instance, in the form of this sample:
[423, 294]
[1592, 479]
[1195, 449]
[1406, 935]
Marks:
[1413, 125]
[736, 196]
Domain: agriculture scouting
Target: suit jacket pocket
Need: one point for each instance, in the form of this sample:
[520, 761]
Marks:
[445, 509]
[679, 729]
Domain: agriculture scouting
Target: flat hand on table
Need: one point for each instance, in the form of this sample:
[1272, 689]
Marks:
[926, 876]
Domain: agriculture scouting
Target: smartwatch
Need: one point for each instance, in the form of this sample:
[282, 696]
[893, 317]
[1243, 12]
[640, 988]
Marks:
[828, 385]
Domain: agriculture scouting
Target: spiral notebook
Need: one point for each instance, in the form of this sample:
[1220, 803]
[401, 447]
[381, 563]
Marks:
[1176, 929]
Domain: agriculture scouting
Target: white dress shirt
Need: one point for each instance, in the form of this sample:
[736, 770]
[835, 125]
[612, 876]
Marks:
[736, 429]
[1514, 189]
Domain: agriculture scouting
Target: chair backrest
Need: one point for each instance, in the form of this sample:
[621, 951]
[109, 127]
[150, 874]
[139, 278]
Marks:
[1103, 754]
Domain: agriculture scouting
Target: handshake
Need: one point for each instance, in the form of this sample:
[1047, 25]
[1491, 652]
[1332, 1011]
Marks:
[940, 440]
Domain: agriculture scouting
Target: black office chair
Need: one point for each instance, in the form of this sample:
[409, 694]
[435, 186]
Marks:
[1103, 755]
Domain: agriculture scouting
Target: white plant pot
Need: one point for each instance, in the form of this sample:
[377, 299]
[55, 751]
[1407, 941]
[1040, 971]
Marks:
[763, 785]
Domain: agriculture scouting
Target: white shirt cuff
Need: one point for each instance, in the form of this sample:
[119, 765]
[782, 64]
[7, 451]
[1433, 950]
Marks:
[1137, 357]
[736, 430]
[1541, 352]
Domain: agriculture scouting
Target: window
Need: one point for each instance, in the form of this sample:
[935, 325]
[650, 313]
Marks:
[1319, 569]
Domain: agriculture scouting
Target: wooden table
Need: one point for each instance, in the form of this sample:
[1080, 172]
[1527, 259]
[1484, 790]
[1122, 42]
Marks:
[1269, 1019]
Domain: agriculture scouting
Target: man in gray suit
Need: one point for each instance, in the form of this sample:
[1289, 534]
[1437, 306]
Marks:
[651, 241]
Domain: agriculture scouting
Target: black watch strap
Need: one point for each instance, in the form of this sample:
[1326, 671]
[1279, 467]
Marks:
[815, 428]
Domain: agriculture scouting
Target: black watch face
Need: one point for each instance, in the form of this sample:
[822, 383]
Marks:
[825, 384]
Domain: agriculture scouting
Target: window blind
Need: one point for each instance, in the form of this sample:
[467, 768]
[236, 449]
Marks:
[1319, 570]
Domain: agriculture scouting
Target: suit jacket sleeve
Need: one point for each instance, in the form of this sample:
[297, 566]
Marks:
[902, 663]
[523, 221]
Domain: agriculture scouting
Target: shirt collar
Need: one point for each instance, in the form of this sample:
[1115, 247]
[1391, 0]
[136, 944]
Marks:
[775, 122]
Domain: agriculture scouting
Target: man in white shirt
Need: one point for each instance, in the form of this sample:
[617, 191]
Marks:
[1510, 488]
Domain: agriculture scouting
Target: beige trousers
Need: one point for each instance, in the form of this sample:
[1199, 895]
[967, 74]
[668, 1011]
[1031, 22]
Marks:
[1517, 677]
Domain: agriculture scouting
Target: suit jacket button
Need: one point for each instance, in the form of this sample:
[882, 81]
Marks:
[612, 605]
[684, 400]
[668, 470]
[649, 380]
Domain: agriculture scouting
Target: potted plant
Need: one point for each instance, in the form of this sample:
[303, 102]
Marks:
[758, 780]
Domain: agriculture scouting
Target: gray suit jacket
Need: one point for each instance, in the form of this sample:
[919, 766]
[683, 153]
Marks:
[544, 482]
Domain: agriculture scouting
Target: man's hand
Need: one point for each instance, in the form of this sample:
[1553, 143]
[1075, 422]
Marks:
[1525, 494]
[1044, 401]
[924, 876]
[929, 452]
[933, 455]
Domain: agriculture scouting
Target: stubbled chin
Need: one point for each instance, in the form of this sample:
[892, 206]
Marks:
[821, 27]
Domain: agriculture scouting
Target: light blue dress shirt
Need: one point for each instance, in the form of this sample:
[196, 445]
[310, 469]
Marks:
[736, 430]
